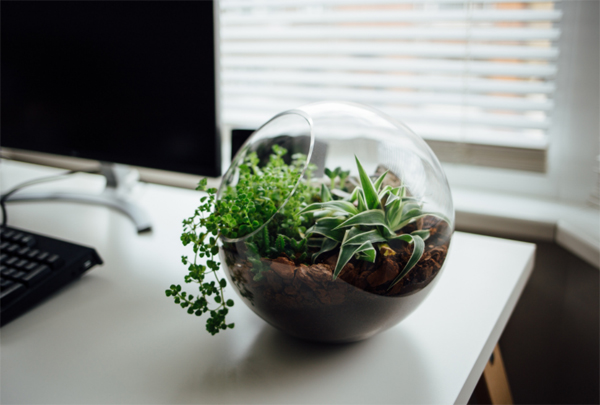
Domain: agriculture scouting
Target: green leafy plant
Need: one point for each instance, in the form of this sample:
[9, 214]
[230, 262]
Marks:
[241, 210]
[378, 218]
[337, 173]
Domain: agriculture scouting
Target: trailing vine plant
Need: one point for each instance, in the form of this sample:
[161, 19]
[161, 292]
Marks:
[243, 209]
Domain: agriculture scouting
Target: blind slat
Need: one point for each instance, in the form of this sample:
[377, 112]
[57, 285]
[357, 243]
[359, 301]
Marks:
[424, 49]
[455, 83]
[387, 16]
[362, 33]
[266, 108]
[389, 64]
[415, 98]
[241, 4]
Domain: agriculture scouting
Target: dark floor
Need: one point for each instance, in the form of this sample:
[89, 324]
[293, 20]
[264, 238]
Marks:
[551, 343]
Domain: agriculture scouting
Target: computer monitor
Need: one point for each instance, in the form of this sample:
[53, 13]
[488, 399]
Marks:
[129, 82]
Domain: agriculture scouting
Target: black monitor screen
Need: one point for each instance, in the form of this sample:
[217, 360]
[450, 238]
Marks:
[121, 81]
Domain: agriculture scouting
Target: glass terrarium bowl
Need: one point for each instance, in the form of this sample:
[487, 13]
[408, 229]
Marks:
[375, 269]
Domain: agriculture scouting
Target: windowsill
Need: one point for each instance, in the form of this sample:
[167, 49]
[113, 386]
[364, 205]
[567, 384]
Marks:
[576, 227]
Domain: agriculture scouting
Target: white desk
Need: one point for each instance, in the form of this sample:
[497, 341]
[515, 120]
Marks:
[113, 336]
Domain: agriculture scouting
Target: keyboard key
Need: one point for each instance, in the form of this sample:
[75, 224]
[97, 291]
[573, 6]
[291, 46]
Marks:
[12, 249]
[36, 275]
[20, 264]
[11, 260]
[11, 293]
[17, 237]
[18, 275]
[5, 283]
[32, 253]
[23, 251]
[54, 261]
[42, 256]
[4, 245]
[28, 240]
[30, 266]
[7, 272]
[3, 258]
[8, 234]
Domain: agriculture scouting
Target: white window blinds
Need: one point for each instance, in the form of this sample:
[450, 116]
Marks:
[474, 78]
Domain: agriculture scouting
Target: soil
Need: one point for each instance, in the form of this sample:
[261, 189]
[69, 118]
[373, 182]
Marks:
[294, 286]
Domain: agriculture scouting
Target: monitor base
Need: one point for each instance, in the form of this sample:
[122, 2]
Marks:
[111, 196]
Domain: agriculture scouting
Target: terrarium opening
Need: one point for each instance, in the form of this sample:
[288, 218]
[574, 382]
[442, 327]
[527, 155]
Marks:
[288, 135]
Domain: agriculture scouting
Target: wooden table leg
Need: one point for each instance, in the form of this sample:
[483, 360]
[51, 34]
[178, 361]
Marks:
[496, 381]
[493, 387]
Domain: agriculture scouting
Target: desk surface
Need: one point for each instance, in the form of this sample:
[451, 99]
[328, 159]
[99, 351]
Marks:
[113, 337]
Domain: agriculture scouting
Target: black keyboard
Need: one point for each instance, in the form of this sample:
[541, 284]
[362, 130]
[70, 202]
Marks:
[32, 267]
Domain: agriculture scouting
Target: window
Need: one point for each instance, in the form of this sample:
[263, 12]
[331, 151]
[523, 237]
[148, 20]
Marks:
[474, 78]
[492, 85]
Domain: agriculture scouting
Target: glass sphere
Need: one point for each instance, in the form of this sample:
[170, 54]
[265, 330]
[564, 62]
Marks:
[366, 222]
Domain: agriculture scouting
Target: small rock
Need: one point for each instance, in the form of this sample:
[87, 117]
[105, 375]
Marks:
[284, 268]
[385, 273]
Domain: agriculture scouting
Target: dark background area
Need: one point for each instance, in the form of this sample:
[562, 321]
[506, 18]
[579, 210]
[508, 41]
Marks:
[551, 344]
[125, 82]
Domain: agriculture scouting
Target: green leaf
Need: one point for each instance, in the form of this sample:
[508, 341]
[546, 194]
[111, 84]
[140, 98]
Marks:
[202, 184]
[371, 236]
[330, 222]
[408, 220]
[391, 198]
[423, 233]
[326, 227]
[368, 255]
[404, 237]
[280, 243]
[367, 186]
[346, 253]
[325, 194]
[401, 191]
[387, 191]
[315, 242]
[328, 245]
[368, 218]
[344, 207]
[410, 208]
[354, 194]
[394, 213]
[379, 181]
[418, 249]
[362, 203]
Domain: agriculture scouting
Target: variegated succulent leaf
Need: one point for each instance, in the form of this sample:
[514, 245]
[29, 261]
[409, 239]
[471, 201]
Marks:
[368, 188]
[346, 253]
[379, 181]
[325, 194]
[326, 246]
[344, 207]
[417, 253]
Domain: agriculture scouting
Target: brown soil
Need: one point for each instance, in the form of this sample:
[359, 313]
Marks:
[293, 285]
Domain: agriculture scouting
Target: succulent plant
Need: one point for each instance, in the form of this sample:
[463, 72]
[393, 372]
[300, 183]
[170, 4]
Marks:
[365, 221]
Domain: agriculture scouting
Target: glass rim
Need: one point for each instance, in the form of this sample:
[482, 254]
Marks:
[241, 152]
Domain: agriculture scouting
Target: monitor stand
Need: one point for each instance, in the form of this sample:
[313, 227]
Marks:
[112, 196]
